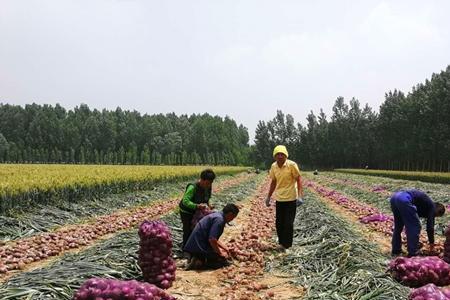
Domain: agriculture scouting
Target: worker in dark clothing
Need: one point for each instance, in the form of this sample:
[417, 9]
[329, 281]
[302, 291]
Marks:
[206, 251]
[408, 206]
[196, 196]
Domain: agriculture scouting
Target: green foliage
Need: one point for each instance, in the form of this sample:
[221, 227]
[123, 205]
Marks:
[411, 132]
[4, 146]
[45, 133]
[278, 131]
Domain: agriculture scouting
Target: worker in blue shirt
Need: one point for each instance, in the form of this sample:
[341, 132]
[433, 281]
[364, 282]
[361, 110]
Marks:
[408, 206]
[203, 244]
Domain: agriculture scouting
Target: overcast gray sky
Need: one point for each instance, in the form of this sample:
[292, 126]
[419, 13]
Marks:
[245, 59]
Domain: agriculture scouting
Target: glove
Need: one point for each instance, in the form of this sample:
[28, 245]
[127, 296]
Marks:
[268, 201]
[201, 206]
[299, 202]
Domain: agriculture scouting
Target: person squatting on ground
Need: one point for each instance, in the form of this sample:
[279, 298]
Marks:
[196, 196]
[408, 206]
[287, 185]
[206, 251]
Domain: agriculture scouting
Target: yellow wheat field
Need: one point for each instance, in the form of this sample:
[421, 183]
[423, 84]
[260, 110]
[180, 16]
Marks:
[16, 179]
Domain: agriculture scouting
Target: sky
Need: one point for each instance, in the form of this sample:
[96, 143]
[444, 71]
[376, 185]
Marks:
[245, 59]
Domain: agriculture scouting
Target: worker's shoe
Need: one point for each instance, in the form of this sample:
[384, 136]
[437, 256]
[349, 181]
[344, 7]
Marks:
[395, 254]
[194, 264]
[186, 255]
[217, 264]
[280, 248]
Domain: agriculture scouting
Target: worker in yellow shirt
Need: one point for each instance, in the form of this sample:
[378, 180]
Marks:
[287, 185]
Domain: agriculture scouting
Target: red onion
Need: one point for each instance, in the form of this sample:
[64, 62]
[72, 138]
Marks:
[430, 292]
[199, 214]
[113, 289]
[418, 271]
[155, 254]
[376, 218]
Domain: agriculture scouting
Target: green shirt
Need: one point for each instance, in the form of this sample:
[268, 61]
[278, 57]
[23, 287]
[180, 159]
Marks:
[188, 197]
[194, 195]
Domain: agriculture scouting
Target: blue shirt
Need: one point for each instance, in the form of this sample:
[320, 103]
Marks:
[209, 227]
[425, 209]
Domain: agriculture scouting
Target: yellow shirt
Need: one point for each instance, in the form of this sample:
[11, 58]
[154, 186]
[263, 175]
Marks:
[286, 177]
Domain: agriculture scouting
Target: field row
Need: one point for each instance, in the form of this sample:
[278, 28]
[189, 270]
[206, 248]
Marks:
[364, 201]
[333, 256]
[436, 177]
[23, 252]
[46, 217]
[376, 191]
[329, 259]
[115, 257]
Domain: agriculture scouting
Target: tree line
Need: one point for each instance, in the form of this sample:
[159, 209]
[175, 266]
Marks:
[51, 134]
[410, 132]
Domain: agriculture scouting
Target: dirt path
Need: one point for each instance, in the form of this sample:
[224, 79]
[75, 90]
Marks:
[36, 251]
[248, 241]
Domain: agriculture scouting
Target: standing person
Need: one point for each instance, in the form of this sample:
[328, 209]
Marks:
[408, 206]
[195, 197]
[287, 185]
[204, 246]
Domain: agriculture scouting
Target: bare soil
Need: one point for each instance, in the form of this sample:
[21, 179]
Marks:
[214, 284]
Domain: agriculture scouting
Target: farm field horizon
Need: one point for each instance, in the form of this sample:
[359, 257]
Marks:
[230, 150]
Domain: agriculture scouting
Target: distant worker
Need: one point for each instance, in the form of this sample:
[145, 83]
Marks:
[408, 206]
[204, 246]
[195, 197]
[287, 185]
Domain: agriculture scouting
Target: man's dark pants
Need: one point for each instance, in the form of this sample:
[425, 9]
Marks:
[405, 215]
[186, 220]
[284, 221]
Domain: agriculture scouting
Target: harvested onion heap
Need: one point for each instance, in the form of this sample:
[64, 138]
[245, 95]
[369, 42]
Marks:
[242, 278]
[199, 214]
[155, 254]
[112, 289]
[430, 291]
[375, 218]
[419, 271]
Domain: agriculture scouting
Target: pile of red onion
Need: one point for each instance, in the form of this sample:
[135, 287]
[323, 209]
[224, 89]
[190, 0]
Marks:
[379, 188]
[199, 214]
[376, 218]
[113, 289]
[430, 292]
[155, 254]
[419, 271]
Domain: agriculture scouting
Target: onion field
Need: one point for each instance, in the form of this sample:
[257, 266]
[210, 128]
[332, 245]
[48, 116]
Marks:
[73, 249]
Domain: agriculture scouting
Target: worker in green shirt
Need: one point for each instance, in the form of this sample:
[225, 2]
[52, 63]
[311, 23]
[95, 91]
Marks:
[195, 197]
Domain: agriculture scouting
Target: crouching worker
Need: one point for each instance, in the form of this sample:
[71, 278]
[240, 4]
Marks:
[408, 206]
[196, 196]
[206, 251]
